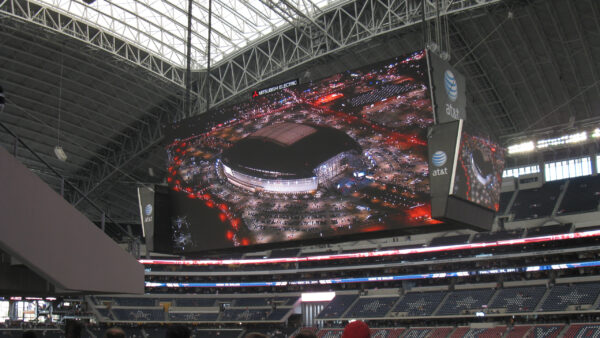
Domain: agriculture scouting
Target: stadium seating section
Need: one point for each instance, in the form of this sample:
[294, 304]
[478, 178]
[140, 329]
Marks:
[478, 331]
[549, 230]
[244, 315]
[416, 307]
[422, 332]
[449, 240]
[105, 313]
[371, 307]
[283, 253]
[545, 331]
[193, 316]
[520, 331]
[583, 330]
[483, 237]
[139, 314]
[536, 203]
[456, 303]
[463, 301]
[518, 299]
[14, 333]
[337, 307]
[582, 195]
[194, 302]
[419, 303]
[563, 297]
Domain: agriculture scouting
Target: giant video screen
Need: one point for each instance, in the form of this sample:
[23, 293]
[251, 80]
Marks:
[478, 175]
[340, 156]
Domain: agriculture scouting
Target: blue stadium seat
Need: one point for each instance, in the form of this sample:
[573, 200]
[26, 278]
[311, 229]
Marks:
[464, 300]
[419, 303]
[582, 195]
[518, 299]
[563, 296]
[371, 307]
[536, 203]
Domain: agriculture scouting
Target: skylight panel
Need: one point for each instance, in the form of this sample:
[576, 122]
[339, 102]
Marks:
[160, 26]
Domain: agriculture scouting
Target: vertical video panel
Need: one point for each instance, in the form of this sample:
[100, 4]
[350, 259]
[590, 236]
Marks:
[339, 156]
[479, 168]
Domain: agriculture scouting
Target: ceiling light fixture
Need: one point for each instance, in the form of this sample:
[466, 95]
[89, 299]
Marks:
[58, 150]
[523, 147]
[60, 153]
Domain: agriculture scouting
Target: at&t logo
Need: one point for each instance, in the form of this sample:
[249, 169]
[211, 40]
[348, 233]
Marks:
[438, 159]
[450, 85]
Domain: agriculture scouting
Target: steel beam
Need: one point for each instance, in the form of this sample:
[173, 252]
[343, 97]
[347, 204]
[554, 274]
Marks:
[49, 18]
[342, 26]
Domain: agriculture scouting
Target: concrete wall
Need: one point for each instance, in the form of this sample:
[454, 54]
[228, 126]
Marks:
[53, 239]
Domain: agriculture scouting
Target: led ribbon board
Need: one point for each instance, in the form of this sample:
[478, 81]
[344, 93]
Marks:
[573, 265]
[382, 253]
[275, 88]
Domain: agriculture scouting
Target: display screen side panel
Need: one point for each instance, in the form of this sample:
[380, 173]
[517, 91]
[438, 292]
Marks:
[442, 143]
[478, 176]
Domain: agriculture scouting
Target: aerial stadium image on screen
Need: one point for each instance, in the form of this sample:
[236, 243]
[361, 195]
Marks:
[479, 171]
[343, 155]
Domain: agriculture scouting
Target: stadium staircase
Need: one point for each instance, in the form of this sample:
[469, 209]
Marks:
[88, 332]
[517, 331]
[543, 299]
[454, 329]
[596, 303]
[343, 315]
[437, 308]
[494, 296]
[564, 330]
[560, 197]
[92, 307]
[511, 202]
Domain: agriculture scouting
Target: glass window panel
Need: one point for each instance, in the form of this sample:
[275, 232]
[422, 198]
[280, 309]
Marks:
[160, 26]
[568, 169]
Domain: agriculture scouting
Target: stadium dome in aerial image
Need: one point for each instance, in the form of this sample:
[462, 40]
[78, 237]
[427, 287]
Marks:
[289, 158]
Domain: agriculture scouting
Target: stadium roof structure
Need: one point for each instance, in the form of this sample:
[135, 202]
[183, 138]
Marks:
[285, 133]
[101, 79]
[160, 27]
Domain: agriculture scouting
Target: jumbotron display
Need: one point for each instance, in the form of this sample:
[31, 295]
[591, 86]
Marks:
[478, 174]
[341, 156]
